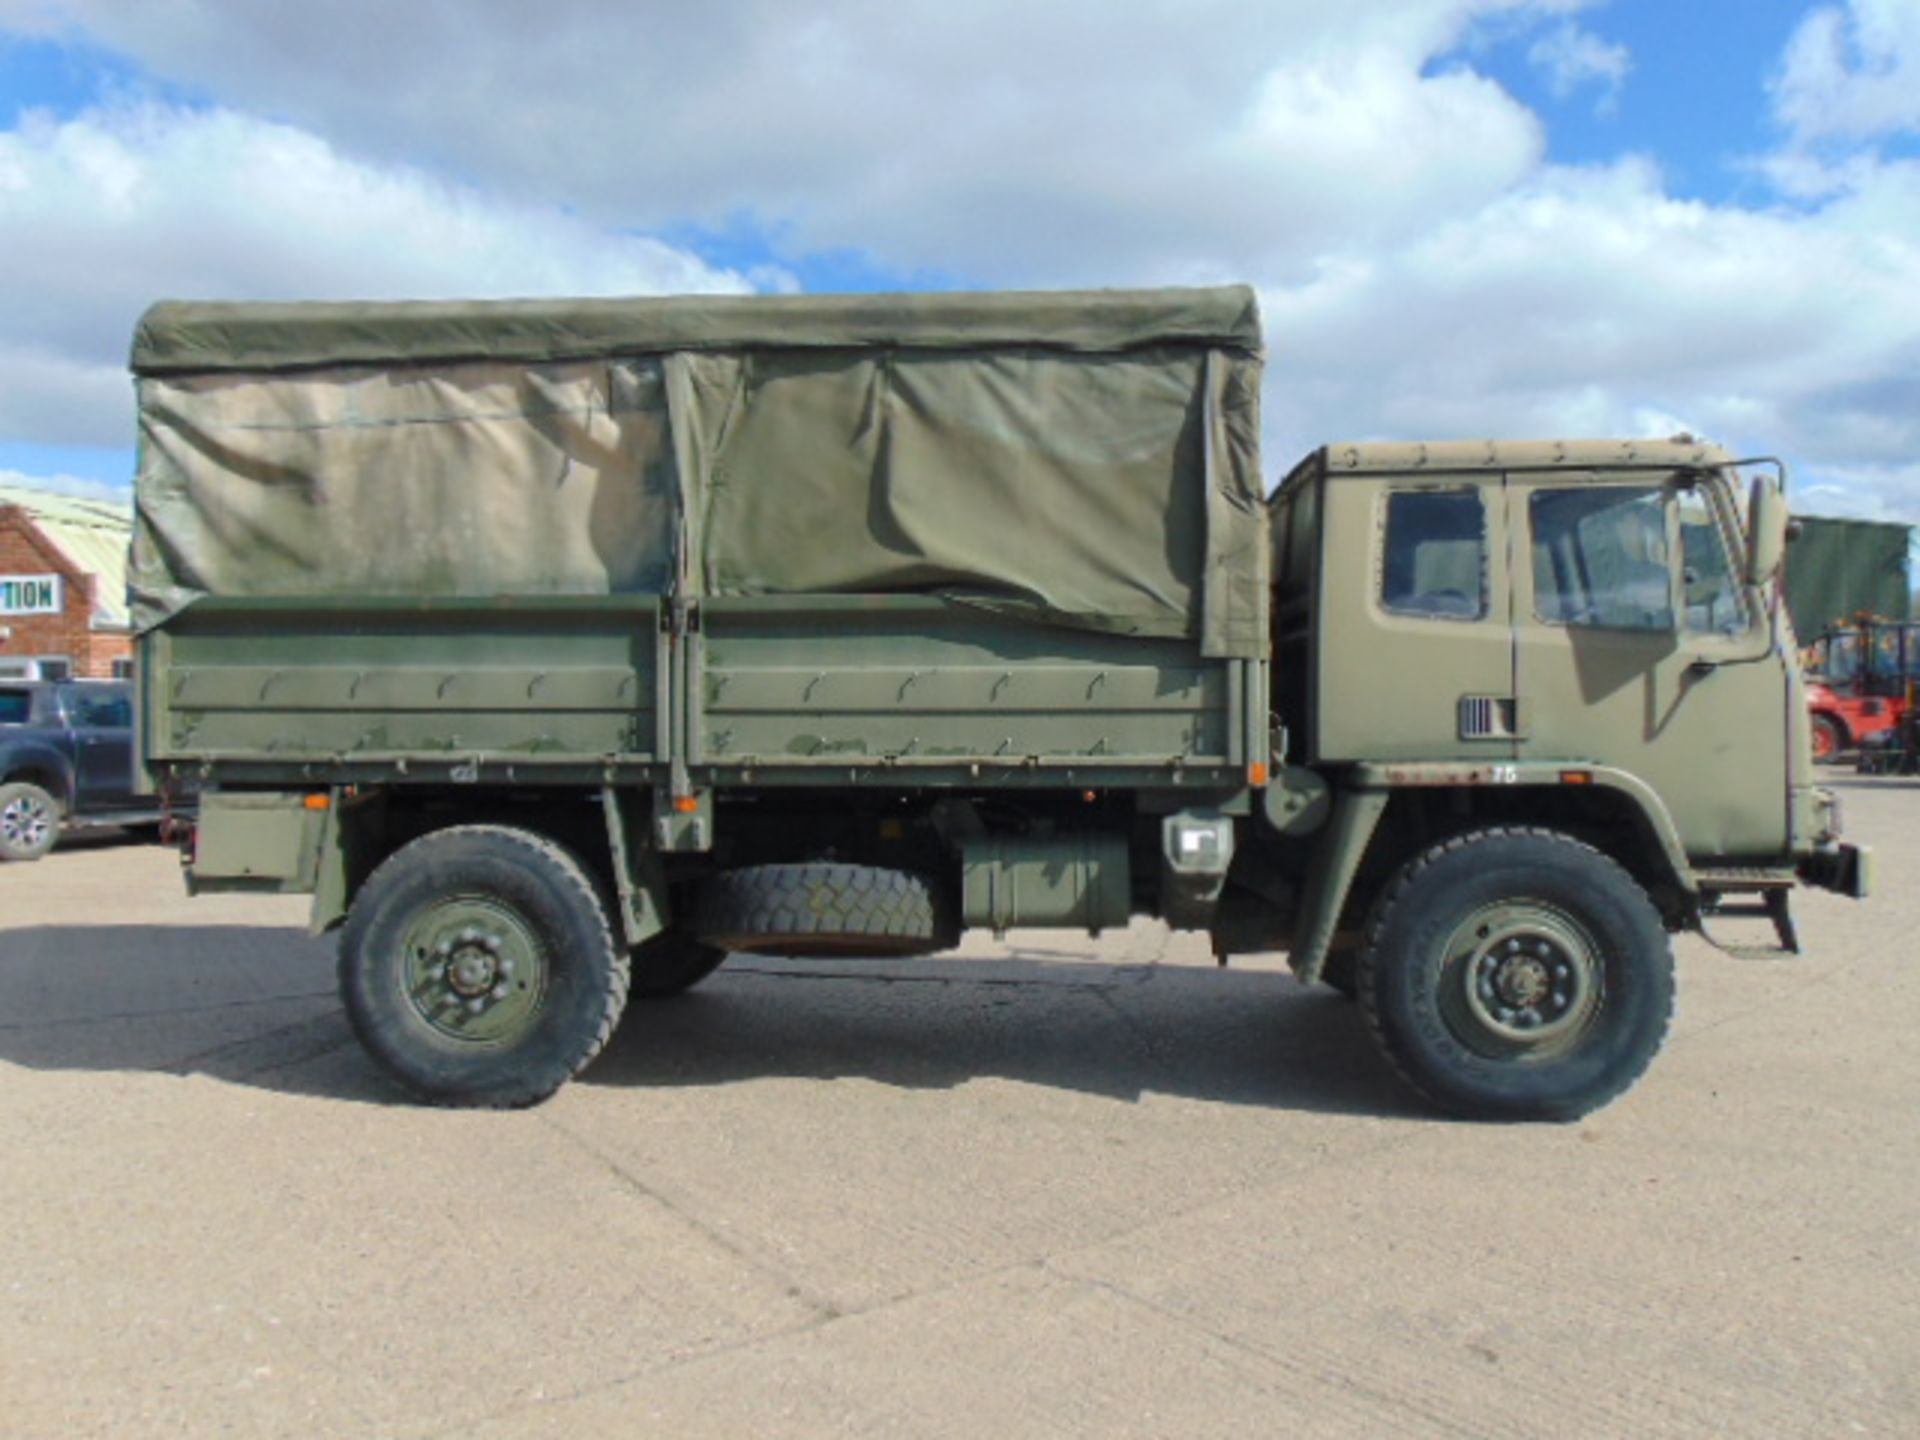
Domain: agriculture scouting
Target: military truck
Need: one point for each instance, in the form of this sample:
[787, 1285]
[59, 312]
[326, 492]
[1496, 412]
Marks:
[562, 649]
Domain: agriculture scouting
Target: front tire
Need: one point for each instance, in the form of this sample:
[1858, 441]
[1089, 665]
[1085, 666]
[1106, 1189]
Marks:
[478, 967]
[29, 821]
[1517, 975]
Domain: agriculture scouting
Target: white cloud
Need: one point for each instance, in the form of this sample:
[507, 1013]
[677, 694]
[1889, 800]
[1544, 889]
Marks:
[1425, 271]
[104, 213]
[1571, 57]
[1852, 72]
[1588, 301]
[1000, 140]
[74, 485]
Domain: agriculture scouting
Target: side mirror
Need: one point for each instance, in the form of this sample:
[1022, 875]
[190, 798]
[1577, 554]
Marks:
[1766, 531]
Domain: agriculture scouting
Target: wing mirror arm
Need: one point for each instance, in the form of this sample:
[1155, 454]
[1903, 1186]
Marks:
[1769, 527]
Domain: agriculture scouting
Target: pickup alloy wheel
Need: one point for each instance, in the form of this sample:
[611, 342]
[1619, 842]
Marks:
[1517, 974]
[478, 966]
[29, 821]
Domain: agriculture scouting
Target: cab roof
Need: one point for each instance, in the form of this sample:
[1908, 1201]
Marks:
[1440, 457]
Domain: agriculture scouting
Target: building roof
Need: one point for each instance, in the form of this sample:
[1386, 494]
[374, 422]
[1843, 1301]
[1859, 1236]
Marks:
[93, 534]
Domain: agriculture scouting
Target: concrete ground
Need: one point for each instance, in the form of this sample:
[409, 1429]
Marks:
[1056, 1187]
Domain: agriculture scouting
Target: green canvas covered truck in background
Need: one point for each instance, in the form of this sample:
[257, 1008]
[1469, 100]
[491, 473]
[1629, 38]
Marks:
[560, 649]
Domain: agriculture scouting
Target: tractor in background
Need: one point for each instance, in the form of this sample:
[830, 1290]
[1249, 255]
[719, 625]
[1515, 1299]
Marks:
[1861, 679]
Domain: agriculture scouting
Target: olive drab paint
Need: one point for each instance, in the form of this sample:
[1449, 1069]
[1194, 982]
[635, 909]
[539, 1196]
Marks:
[974, 598]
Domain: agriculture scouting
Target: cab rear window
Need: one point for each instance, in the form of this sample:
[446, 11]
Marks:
[1434, 554]
[16, 707]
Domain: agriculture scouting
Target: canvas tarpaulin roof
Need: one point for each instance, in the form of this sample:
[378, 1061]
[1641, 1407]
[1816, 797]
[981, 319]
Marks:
[1091, 459]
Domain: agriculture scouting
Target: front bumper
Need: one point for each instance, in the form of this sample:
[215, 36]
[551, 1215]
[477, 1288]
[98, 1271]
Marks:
[1845, 869]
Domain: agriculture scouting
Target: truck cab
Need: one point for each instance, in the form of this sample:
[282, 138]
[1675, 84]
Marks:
[1578, 621]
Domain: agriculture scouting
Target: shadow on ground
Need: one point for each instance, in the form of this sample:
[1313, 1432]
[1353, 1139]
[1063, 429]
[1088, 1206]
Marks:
[256, 1006]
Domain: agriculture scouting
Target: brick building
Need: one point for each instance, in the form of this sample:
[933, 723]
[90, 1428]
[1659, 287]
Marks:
[63, 586]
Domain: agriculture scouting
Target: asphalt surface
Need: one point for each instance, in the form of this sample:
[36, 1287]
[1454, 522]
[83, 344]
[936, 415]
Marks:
[1052, 1187]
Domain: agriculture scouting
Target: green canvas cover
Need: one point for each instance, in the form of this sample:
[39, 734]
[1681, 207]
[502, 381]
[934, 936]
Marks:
[176, 337]
[1838, 568]
[1088, 459]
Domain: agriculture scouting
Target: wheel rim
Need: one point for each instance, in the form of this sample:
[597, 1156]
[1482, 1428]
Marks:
[475, 970]
[1521, 980]
[1825, 745]
[26, 822]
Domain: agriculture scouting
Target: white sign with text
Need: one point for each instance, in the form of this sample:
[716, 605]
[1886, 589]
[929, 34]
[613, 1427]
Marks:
[31, 595]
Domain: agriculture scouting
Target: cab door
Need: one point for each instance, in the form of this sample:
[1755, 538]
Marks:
[1415, 655]
[100, 719]
[1636, 647]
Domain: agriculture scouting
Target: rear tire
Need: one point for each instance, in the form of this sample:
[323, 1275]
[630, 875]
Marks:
[478, 966]
[672, 963]
[29, 821]
[1517, 975]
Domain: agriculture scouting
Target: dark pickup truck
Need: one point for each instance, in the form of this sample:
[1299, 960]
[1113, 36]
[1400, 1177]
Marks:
[66, 761]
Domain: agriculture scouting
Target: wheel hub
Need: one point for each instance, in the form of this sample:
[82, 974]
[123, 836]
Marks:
[1523, 981]
[24, 822]
[473, 964]
[1527, 977]
[475, 970]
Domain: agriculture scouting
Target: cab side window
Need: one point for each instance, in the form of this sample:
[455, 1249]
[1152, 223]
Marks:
[1713, 603]
[1434, 558]
[1600, 558]
[100, 712]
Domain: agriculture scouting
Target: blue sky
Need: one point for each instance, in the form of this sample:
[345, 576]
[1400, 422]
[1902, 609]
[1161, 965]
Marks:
[1464, 216]
[1693, 96]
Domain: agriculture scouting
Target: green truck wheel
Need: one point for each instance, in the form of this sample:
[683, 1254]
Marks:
[478, 967]
[1517, 974]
